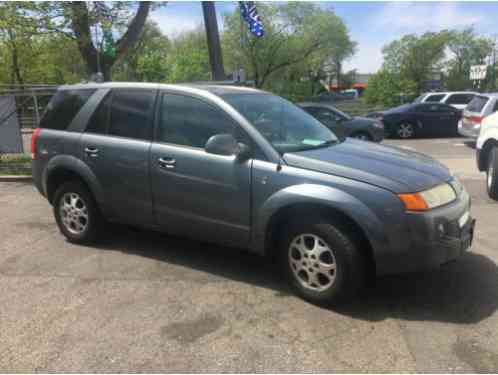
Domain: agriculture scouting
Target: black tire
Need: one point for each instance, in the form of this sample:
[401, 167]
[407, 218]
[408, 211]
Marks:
[492, 173]
[94, 218]
[350, 272]
[405, 130]
[364, 136]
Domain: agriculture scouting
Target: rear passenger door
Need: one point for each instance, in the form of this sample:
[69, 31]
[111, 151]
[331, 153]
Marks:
[116, 146]
[196, 193]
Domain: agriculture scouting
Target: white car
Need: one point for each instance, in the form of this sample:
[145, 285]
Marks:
[481, 106]
[487, 153]
[457, 99]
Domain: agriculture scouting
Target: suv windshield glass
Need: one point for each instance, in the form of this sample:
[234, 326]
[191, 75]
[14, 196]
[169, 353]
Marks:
[287, 127]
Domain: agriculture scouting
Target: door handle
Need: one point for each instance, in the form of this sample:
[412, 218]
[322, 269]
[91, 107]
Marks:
[92, 151]
[168, 163]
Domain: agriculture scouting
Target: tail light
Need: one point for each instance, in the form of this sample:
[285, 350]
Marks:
[36, 132]
[476, 120]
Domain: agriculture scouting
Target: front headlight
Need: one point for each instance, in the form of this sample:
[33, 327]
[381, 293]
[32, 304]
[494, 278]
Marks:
[428, 199]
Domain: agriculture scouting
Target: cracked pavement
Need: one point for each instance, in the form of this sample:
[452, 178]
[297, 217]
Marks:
[145, 302]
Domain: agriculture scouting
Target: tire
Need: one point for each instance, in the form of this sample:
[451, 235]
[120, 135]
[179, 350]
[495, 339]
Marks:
[405, 130]
[346, 267]
[77, 213]
[362, 136]
[492, 173]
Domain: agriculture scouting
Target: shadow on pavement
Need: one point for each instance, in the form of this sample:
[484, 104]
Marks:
[464, 291]
[470, 143]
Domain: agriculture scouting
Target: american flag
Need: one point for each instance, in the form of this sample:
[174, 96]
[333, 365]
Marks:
[249, 14]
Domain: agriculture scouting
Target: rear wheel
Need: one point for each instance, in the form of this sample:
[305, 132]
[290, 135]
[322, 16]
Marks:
[76, 213]
[321, 263]
[405, 130]
[492, 173]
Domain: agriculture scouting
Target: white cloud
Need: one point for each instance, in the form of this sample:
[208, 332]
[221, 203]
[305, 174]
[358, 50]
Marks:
[174, 25]
[409, 17]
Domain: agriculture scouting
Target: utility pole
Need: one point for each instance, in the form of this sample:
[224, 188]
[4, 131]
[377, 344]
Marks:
[213, 41]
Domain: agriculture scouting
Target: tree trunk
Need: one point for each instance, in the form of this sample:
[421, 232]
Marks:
[16, 71]
[80, 24]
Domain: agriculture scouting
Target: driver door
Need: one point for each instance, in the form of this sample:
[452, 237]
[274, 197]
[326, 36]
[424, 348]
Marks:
[197, 193]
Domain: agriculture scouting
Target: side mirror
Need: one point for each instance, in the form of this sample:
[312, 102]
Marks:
[226, 145]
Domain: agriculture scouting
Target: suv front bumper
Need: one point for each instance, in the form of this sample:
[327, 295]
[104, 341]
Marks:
[437, 237]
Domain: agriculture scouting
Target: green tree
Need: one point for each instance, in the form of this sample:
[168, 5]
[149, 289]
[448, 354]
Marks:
[467, 49]
[147, 59]
[295, 33]
[188, 59]
[389, 89]
[415, 58]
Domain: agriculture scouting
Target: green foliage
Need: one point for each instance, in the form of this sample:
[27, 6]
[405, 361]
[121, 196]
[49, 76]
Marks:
[414, 57]
[389, 89]
[299, 38]
[467, 49]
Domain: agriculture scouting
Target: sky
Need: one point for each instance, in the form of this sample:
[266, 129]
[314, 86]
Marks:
[371, 24]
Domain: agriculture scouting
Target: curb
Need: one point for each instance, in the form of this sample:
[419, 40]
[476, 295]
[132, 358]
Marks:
[14, 178]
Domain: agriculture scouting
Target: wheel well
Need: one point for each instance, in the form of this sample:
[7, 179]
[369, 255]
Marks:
[59, 176]
[483, 159]
[284, 216]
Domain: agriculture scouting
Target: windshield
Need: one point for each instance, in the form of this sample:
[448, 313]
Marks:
[287, 127]
[345, 115]
[419, 98]
[477, 104]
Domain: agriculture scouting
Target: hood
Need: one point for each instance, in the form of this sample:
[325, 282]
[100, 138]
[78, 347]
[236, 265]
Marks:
[401, 108]
[391, 168]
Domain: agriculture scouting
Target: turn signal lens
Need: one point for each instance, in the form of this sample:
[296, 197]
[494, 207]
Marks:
[413, 202]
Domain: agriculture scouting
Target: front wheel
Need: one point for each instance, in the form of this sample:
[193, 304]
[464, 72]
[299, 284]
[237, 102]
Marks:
[492, 173]
[321, 263]
[405, 130]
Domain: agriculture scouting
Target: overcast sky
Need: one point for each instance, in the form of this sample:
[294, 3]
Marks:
[371, 24]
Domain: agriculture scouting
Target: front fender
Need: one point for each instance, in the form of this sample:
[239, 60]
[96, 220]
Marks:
[75, 165]
[325, 196]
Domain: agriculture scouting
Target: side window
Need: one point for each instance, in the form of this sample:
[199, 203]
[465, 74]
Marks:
[100, 118]
[190, 122]
[131, 113]
[63, 107]
[327, 117]
[459, 99]
[434, 98]
[495, 108]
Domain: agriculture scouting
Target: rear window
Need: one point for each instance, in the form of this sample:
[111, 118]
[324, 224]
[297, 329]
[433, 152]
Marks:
[459, 99]
[477, 104]
[435, 98]
[63, 107]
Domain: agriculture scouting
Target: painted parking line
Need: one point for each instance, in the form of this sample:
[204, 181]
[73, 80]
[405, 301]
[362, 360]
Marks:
[459, 144]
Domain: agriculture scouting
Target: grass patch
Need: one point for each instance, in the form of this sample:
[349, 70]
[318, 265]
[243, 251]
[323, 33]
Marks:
[15, 164]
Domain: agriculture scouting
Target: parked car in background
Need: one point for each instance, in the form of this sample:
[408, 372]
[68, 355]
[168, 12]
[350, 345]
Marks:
[419, 119]
[487, 153]
[332, 96]
[457, 99]
[481, 106]
[244, 168]
[343, 125]
[350, 93]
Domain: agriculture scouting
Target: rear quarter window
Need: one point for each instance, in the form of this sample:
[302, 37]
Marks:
[477, 104]
[63, 107]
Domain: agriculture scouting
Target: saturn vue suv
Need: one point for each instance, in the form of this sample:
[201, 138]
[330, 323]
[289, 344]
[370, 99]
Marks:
[246, 169]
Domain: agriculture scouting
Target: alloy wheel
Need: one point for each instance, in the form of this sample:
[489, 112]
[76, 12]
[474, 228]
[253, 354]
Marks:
[312, 262]
[74, 213]
[405, 130]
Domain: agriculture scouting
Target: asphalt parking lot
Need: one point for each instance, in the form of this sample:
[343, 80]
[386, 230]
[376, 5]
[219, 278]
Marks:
[145, 302]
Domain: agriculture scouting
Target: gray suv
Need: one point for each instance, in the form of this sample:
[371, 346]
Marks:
[245, 168]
